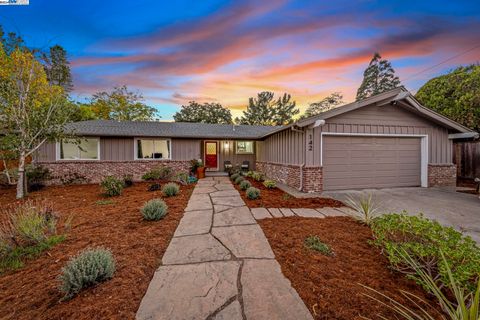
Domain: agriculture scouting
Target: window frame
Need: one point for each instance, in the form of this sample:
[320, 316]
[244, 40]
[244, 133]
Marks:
[236, 147]
[135, 150]
[57, 150]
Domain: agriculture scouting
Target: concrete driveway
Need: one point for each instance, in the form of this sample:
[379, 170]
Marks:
[459, 210]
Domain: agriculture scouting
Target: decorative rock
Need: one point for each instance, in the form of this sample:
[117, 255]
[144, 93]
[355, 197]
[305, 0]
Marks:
[231, 312]
[234, 216]
[233, 201]
[308, 213]
[189, 291]
[260, 213]
[194, 222]
[192, 249]
[275, 212]
[287, 212]
[246, 241]
[267, 294]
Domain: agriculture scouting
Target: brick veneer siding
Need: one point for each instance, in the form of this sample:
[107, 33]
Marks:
[291, 174]
[94, 171]
[442, 175]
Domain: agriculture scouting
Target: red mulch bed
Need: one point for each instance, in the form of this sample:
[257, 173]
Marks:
[138, 246]
[276, 198]
[329, 286]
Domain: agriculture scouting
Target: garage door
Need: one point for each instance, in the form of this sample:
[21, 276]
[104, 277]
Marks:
[370, 162]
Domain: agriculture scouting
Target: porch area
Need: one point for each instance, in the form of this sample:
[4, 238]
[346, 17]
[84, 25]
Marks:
[219, 155]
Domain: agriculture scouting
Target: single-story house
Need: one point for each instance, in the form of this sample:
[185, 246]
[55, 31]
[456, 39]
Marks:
[388, 140]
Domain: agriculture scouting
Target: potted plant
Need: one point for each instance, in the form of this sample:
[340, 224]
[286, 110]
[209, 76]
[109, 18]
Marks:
[197, 168]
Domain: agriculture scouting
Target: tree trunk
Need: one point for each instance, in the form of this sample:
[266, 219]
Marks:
[7, 174]
[21, 190]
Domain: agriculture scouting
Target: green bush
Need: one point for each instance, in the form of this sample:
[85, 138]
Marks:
[270, 184]
[170, 189]
[160, 173]
[314, 243]
[239, 179]
[249, 173]
[244, 185]
[36, 177]
[88, 268]
[257, 176]
[182, 178]
[154, 209]
[252, 193]
[424, 240]
[128, 180]
[112, 186]
[234, 176]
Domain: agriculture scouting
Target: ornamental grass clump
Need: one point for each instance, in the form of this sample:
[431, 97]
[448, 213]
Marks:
[269, 184]
[244, 185]
[112, 186]
[252, 193]
[424, 241]
[170, 189]
[89, 267]
[239, 179]
[154, 210]
[366, 209]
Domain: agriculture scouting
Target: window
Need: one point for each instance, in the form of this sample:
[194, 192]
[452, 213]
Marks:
[153, 149]
[244, 147]
[87, 149]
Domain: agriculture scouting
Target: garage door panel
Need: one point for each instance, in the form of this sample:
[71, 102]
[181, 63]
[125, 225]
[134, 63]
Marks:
[370, 162]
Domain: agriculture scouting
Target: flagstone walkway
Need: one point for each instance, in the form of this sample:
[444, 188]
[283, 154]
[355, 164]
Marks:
[219, 265]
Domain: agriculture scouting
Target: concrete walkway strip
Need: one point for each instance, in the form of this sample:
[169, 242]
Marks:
[219, 264]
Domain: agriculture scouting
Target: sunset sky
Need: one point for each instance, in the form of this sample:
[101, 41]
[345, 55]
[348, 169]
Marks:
[227, 51]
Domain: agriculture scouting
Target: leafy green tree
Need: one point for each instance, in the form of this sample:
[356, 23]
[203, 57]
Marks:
[377, 78]
[57, 68]
[329, 102]
[264, 110]
[205, 113]
[120, 104]
[455, 95]
[11, 41]
[32, 110]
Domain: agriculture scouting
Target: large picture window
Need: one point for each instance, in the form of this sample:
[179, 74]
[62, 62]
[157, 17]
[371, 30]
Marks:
[153, 149]
[87, 149]
[244, 147]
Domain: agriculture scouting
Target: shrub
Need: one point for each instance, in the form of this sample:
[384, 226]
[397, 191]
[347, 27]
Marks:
[249, 173]
[252, 193]
[182, 178]
[170, 189]
[239, 179]
[154, 187]
[365, 208]
[234, 176]
[244, 185]
[314, 243]
[160, 173]
[195, 164]
[128, 180]
[112, 186]
[36, 177]
[257, 176]
[270, 184]
[88, 268]
[154, 209]
[424, 240]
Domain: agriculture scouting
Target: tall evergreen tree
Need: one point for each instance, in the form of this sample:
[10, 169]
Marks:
[264, 110]
[377, 78]
[57, 68]
[329, 102]
[205, 113]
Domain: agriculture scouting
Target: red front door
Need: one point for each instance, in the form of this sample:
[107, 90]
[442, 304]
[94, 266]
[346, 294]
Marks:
[211, 156]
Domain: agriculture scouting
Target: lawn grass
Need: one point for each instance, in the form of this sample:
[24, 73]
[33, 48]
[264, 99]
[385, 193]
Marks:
[15, 259]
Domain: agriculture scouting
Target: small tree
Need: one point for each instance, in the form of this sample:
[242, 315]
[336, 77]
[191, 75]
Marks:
[329, 102]
[205, 113]
[377, 78]
[32, 110]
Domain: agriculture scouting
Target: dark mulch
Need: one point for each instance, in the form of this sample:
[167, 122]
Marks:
[276, 198]
[138, 246]
[330, 285]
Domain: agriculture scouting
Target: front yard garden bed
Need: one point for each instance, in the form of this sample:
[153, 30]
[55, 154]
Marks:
[330, 284]
[96, 221]
[277, 198]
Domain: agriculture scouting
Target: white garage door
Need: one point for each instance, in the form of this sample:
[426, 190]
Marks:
[355, 162]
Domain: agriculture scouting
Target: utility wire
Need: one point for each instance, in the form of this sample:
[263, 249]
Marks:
[440, 63]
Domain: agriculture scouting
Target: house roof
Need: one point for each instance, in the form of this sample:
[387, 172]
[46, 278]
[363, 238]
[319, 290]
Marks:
[168, 129]
[399, 96]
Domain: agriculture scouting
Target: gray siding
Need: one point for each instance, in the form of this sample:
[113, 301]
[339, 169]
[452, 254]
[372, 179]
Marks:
[285, 147]
[230, 154]
[186, 149]
[46, 152]
[116, 149]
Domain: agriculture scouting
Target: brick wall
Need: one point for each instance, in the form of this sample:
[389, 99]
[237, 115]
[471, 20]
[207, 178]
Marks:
[442, 175]
[291, 174]
[94, 171]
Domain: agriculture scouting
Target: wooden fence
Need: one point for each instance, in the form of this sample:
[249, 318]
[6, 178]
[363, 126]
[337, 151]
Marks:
[466, 155]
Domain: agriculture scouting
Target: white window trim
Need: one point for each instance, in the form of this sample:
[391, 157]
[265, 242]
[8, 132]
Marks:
[423, 148]
[135, 154]
[253, 147]
[57, 151]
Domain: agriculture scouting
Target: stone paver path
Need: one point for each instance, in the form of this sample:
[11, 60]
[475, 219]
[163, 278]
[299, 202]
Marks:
[264, 213]
[219, 264]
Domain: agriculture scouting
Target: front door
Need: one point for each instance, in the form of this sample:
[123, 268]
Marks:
[211, 155]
